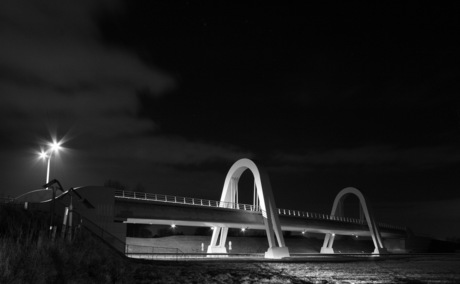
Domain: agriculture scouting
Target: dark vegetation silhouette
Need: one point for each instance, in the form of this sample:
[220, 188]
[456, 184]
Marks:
[27, 255]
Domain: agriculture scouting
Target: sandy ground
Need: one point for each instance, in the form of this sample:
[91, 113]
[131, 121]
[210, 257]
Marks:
[415, 269]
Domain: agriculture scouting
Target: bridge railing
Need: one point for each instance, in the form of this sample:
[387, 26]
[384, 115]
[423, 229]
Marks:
[241, 206]
[320, 216]
[184, 200]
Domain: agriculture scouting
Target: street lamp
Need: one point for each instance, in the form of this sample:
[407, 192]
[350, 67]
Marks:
[54, 147]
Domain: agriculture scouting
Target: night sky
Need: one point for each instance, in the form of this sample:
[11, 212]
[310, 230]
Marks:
[166, 96]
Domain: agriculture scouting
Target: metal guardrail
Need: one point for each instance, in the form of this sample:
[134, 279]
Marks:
[184, 200]
[239, 206]
[320, 216]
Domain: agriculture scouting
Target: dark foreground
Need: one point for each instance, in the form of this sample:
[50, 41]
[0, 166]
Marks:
[25, 257]
[416, 269]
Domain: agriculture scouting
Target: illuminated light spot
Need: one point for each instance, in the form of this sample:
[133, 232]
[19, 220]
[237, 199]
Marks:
[243, 229]
[43, 155]
[55, 146]
[173, 226]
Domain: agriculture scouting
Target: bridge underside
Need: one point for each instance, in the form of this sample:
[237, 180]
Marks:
[362, 230]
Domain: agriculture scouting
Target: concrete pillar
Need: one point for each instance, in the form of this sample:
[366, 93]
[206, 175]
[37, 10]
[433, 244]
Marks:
[331, 241]
[223, 236]
[270, 233]
[213, 247]
[327, 244]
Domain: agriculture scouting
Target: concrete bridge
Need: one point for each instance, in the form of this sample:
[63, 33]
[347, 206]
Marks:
[112, 209]
[148, 208]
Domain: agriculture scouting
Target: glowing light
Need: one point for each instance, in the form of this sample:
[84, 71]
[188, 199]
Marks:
[43, 155]
[303, 232]
[55, 146]
[243, 229]
[173, 226]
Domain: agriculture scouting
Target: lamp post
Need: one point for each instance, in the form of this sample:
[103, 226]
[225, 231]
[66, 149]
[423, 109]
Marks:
[55, 146]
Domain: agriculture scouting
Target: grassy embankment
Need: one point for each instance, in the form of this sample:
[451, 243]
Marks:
[27, 255]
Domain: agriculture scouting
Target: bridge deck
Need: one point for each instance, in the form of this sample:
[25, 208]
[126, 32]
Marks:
[135, 207]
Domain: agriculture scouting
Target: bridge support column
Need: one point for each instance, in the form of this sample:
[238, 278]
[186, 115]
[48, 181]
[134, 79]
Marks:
[218, 248]
[327, 245]
[377, 239]
[273, 228]
[223, 236]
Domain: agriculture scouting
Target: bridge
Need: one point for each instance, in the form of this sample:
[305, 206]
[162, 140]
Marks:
[149, 208]
[113, 209]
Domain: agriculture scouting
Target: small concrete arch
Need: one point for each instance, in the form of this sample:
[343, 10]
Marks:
[267, 205]
[337, 210]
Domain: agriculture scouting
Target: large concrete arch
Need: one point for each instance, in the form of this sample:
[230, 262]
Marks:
[267, 205]
[337, 210]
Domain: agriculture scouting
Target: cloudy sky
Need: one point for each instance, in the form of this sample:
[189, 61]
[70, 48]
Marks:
[168, 96]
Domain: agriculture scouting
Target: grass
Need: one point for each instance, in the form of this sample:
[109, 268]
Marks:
[27, 255]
